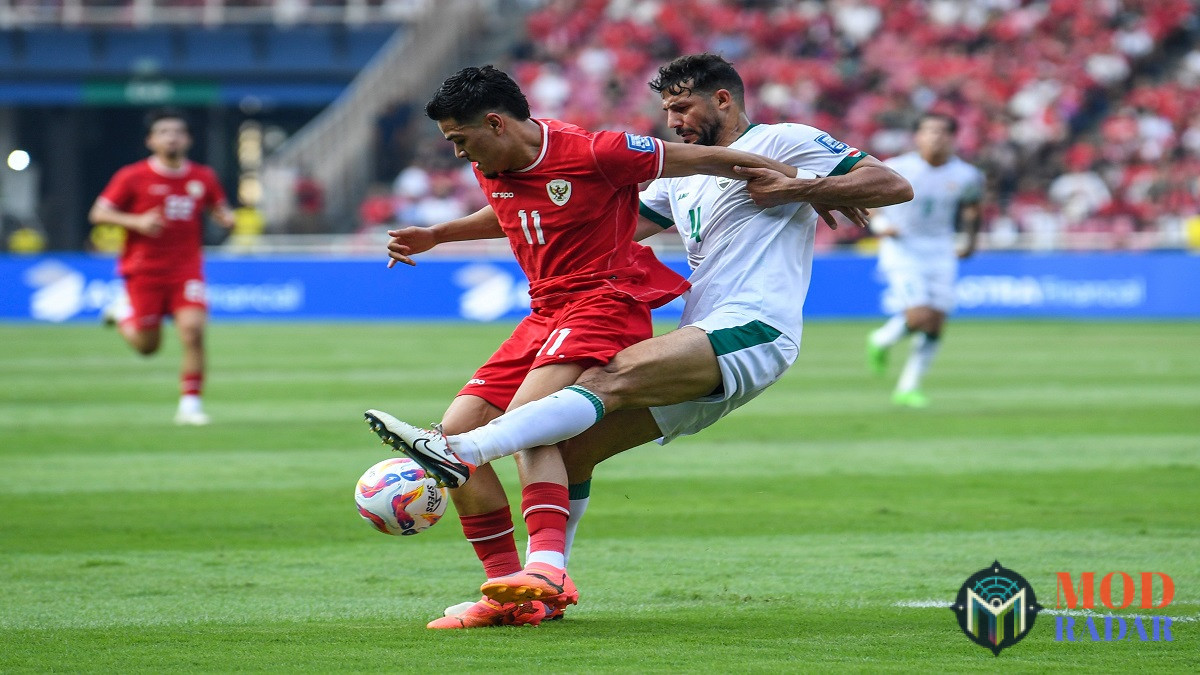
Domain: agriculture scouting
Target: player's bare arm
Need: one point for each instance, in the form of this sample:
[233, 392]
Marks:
[684, 159]
[149, 223]
[224, 216]
[869, 184]
[969, 218]
[409, 241]
[646, 228]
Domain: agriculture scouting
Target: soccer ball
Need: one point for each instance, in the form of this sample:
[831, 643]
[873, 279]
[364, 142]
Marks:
[397, 497]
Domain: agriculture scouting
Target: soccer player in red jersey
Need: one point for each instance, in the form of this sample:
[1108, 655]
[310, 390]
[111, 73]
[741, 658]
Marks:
[160, 201]
[567, 200]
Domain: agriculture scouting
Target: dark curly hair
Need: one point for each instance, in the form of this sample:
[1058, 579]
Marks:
[701, 74]
[158, 114]
[471, 93]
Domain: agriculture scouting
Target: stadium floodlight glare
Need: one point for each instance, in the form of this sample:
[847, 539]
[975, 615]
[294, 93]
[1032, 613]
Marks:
[18, 160]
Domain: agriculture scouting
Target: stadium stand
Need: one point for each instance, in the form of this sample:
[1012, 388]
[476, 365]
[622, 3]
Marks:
[1041, 89]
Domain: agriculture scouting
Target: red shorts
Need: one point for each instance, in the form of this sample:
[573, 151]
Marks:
[589, 332]
[152, 298]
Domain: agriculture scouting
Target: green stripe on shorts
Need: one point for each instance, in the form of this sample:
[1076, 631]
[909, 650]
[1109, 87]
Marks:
[728, 340]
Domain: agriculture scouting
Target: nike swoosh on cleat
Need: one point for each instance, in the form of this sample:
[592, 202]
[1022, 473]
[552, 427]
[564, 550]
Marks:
[450, 472]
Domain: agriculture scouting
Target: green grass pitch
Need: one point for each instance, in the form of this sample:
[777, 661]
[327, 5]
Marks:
[814, 530]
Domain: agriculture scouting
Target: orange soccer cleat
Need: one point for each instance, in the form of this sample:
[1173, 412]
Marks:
[487, 613]
[538, 581]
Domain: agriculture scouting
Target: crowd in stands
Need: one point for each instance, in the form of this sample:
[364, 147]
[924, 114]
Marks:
[1083, 115]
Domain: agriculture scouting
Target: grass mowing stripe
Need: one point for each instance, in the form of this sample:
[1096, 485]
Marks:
[782, 539]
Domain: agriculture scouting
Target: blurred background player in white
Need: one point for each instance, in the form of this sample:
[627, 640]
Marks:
[919, 252]
[160, 201]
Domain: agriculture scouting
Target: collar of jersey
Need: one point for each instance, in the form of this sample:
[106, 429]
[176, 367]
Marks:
[752, 125]
[542, 154]
[158, 168]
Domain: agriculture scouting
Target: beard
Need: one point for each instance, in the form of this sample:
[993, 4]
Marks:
[706, 132]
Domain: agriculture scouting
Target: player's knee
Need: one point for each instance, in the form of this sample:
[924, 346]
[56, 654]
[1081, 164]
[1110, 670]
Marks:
[145, 349]
[145, 345]
[610, 382]
[192, 336]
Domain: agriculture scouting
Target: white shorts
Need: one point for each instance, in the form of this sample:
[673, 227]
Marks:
[752, 356]
[925, 285]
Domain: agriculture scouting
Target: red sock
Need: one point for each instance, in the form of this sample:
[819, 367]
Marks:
[190, 384]
[545, 507]
[492, 536]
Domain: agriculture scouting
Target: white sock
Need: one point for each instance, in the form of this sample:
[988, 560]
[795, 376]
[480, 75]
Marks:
[924, 348]
[891, 332]
[190, 403]
[580, 494]
[564, 414]
[552, 558]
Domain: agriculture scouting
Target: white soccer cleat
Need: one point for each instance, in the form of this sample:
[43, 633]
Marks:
[427, 447]
[191, 418]
[117, 310]
[461, 607]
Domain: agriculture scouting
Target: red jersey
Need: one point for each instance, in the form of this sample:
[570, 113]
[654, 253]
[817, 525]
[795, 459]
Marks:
[182, 195]
[570, 217]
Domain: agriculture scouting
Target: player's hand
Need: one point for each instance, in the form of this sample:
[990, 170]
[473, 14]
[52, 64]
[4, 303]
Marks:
[854, 214]
[225, 218]
[150, 223]
[408, 241]
[769, 188]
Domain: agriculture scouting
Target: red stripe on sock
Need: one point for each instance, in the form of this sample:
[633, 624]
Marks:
[190, 384]
[492, 537]
[545, 506]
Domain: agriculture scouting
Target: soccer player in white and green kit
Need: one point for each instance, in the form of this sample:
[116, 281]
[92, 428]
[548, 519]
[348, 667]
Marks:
[741, 324]
[918, 251]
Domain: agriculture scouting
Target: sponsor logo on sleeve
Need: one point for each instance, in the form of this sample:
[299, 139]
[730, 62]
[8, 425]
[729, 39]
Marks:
[639, 143]
[835, 146]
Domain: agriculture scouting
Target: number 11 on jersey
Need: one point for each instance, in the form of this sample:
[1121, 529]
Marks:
[537, 226]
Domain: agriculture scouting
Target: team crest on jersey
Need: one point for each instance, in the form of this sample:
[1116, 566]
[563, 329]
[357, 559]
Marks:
[724, 182]
[195, 189]
[559, 191]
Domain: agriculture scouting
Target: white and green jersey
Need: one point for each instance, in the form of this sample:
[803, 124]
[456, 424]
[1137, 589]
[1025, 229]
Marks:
[925, 225]
[744, 259]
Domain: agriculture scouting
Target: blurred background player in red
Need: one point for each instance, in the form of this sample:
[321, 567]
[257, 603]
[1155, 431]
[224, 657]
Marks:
[160, 201]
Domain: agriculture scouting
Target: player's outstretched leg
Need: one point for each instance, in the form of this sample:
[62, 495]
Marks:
[912, 398]
[426, 447]
[877, 358]
[538, 581]
[487, 613]
[116, 310]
